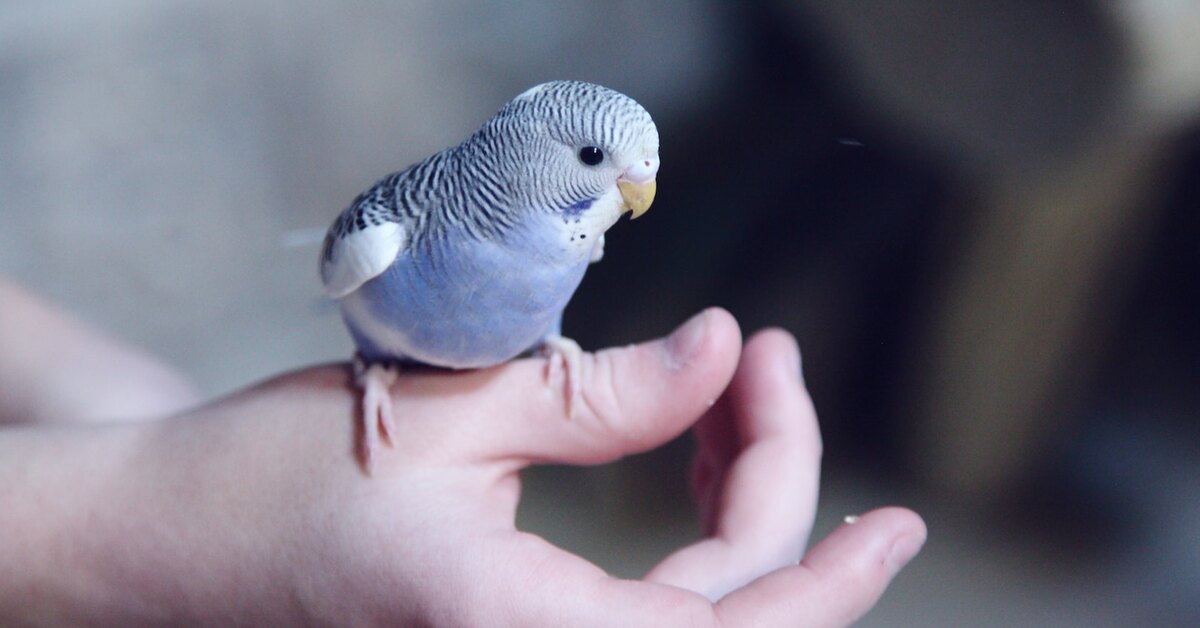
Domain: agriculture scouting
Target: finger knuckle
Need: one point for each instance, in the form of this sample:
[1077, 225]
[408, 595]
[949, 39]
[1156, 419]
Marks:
[605, 404]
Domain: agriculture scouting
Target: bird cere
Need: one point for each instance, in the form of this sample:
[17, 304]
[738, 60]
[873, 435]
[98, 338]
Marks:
[468, 258]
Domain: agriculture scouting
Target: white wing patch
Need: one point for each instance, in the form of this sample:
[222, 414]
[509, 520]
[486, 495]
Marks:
[359, 256]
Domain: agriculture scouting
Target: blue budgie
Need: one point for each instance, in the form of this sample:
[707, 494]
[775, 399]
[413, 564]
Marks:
[468, 258]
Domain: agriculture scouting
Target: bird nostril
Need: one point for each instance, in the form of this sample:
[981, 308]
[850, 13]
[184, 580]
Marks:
[647, 162]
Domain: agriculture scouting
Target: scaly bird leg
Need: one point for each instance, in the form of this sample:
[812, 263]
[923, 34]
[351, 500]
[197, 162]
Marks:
[375, 381]
[563, 356]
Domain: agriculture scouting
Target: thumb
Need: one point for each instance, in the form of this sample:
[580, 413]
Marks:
[632, 398]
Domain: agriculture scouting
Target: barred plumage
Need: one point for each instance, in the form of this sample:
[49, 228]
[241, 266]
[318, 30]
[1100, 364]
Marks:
[469, 187]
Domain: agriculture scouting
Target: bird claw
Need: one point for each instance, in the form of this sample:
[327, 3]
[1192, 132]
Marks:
[378, 420]
[564, 363]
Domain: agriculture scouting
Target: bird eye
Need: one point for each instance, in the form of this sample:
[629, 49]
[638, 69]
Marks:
[591, 155]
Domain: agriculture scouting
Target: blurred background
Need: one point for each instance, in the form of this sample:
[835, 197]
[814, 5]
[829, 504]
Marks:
[980, 219]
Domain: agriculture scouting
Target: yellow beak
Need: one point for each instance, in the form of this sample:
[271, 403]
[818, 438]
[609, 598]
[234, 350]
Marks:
[637, 196]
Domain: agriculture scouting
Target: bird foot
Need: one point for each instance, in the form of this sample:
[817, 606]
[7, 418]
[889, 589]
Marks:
[378, 422]
[564, 359]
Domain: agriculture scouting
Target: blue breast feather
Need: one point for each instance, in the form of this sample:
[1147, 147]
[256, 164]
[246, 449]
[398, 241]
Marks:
[466, 303]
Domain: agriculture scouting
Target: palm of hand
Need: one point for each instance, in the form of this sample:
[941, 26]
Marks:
[432, 537]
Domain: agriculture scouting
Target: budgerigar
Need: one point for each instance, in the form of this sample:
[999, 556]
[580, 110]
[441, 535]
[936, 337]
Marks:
[468, 258]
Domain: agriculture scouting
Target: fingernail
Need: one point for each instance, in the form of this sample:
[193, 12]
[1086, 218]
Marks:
[903, 550]
[686, 340]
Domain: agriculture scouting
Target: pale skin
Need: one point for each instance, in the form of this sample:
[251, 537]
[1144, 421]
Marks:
[253, 509]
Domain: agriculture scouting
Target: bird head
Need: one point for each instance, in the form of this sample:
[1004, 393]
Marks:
[582, 141]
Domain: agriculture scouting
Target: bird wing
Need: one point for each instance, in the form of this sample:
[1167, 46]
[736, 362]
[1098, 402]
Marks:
[362, 243]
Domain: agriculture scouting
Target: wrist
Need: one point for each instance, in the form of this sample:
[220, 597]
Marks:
[121, 524]
[61, 488]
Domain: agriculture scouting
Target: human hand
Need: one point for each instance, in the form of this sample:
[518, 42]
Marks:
[57, 368]
[253, 508]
